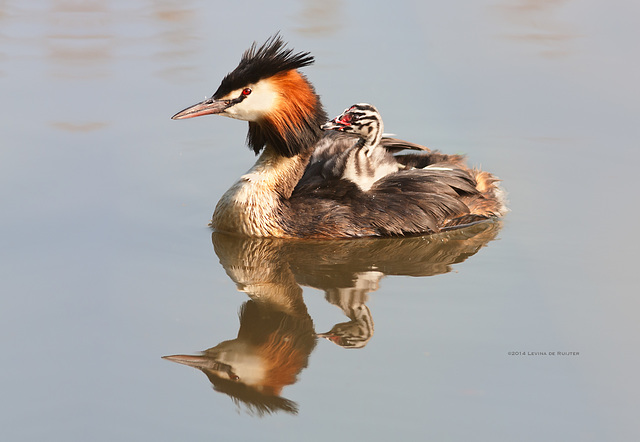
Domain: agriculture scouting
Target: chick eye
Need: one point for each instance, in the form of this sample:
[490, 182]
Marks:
[246, 91]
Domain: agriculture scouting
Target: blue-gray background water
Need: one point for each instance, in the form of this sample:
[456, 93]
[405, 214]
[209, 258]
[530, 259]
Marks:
[107, 262]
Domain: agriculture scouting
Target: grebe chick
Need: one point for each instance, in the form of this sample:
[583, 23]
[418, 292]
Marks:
[285, 194]
[366, 161]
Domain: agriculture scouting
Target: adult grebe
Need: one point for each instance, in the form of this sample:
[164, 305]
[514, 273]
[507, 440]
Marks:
[286, 194]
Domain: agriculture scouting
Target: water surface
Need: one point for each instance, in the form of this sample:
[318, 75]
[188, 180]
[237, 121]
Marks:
[108, 264]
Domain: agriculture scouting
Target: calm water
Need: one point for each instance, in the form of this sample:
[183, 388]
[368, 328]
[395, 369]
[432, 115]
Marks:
[107, 263]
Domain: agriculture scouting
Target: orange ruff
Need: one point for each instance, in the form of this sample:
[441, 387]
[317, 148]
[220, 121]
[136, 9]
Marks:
[296, 100]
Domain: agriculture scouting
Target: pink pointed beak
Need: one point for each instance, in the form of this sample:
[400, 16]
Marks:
[206, 107]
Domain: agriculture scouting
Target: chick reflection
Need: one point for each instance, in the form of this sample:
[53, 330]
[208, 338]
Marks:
[276, 333]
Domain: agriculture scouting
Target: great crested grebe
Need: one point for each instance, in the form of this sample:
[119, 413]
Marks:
[286, 194]
[366, 161]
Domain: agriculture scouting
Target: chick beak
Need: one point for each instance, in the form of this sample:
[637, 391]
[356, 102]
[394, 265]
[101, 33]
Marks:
[206, 107]
[334, 124]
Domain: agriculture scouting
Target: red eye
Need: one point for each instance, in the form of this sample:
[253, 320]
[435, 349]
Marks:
[246, 91]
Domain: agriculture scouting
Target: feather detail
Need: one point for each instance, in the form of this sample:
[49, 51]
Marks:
[293, 125]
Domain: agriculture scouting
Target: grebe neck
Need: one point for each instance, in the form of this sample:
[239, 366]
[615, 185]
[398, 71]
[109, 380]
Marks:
[252, 206]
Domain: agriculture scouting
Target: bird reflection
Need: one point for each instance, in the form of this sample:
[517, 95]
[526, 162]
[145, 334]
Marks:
[271, 348]
[276, 335]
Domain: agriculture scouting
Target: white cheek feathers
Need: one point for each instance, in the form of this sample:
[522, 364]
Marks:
[261, 101]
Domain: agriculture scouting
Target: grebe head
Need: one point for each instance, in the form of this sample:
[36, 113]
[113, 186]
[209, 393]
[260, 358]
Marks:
[362, 120]
[267, 90]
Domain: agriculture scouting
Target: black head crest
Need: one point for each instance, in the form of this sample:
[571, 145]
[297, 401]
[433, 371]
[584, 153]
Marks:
[263, 62]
